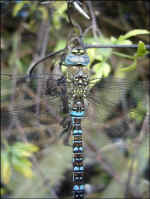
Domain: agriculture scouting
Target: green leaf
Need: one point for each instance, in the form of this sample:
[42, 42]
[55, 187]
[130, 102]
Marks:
[59, 13]
[22, 166]
[119, 41]
[134, 33]
[113, 40]
[105, 53]
[23, 150]
[91, 54]
[5, 167]
[124, 42]
[18, 7]
[99, 57]
[94, 54]
[26, 162]
[130, 68]
[123, 55]
[44, 12]
[60, 45]
[106, 69]
[141, 50]
[101, 70]
[26, 146]
[2, 191]
[62, 7]
[138, 113]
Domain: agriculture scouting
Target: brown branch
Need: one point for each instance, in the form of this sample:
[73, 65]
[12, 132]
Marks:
[95, 29]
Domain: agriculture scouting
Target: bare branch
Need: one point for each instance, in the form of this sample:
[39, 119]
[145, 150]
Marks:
[113, 46]
[34, 64]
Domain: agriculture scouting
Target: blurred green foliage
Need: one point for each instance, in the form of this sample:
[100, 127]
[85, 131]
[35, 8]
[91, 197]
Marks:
[16, 156]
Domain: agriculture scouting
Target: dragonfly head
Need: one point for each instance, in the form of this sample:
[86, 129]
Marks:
[78, 51]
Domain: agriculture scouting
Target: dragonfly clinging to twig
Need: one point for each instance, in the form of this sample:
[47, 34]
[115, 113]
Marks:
[76, 91]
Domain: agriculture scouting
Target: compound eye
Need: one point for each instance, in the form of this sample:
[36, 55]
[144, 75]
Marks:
[75, 51]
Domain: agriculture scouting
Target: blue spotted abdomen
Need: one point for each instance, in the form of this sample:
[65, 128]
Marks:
[78, 167]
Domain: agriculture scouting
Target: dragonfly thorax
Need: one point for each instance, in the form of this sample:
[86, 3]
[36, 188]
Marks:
[80, 79]
[80, 84]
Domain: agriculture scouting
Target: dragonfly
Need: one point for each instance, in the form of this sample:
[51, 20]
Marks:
[33, 102]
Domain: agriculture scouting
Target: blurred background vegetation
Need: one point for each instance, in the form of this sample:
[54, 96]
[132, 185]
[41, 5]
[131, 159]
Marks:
[36, 163]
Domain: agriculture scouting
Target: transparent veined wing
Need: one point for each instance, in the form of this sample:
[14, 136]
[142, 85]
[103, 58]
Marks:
[40, 101]
[33, 107]
[117, 105]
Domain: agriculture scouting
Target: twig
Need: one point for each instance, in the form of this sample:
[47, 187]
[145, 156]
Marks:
[104, 162]
[34, 64]
[41, 47]
[86, 46]
[95, 29]
[80, 10]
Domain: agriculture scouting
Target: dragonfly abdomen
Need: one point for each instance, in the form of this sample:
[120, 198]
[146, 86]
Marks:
[78, 167]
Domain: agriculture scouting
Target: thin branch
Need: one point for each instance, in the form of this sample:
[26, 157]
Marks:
[41, 47]
[80, 10]
[103, 161]
[86, 46]
[95, 29]
[34, 64]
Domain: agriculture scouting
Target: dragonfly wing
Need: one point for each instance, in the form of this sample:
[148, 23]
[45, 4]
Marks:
[48, 82]
[118, 112]
[31, 107]
[115, 95]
